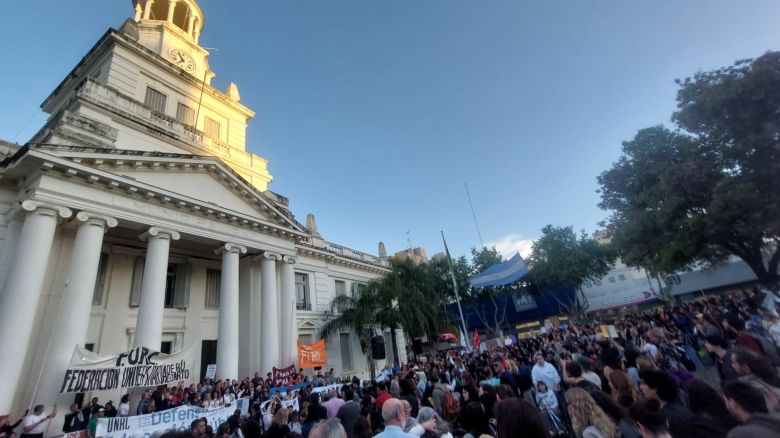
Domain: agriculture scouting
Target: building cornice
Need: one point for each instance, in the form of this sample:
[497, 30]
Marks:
[79, 170]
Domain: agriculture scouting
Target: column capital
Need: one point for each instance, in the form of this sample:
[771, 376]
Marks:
[270, 255]
[97, 219]
[46, 208]
[160, 233]
[289, 260]
[230, 247]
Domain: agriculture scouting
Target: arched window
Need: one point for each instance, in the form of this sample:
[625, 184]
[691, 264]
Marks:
[180, 15]
[159, 10]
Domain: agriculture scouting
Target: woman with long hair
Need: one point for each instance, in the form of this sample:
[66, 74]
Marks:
[623, 389]
[617, 413]
[518, 417]
[587, 418]
[645, 363]
[474, 420]
[279, 427]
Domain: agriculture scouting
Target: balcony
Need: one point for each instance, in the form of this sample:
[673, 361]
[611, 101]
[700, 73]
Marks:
[100, 94]
[303, 305]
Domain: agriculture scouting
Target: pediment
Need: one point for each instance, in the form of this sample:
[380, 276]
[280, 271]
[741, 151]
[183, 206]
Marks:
[308, 324]
[206, 180]
[199, 185]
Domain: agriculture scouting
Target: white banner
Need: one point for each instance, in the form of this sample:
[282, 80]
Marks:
[139, 367]
[179, 418]
[287, 404]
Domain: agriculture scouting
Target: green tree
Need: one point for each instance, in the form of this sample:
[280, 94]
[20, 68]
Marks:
[711, 189]
[654, 191]
[403, 299]
[359, 313]
[408, 299]
[561, 257]
[475, 299]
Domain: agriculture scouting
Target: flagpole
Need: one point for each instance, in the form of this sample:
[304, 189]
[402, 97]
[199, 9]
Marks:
[455, 286]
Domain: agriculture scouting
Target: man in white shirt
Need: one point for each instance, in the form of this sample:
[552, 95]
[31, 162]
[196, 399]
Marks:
[544, 371]
[34, 425]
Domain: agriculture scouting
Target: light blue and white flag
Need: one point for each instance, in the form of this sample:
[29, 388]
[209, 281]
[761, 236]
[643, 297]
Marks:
[500, 274]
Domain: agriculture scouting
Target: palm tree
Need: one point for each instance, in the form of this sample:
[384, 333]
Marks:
[356, 313]
[404, 299]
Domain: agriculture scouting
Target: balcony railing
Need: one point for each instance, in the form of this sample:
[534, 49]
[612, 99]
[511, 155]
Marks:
[303, 305]
[101, 94]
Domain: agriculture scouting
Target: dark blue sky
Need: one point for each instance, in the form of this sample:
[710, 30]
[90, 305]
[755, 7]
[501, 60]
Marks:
[373, 114]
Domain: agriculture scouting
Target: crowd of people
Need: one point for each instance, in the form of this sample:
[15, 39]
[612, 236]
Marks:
[647, 378]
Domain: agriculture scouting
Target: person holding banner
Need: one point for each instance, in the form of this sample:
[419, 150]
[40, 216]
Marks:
[74, 421]
[7, 428]
[34, 424]
[92, 425]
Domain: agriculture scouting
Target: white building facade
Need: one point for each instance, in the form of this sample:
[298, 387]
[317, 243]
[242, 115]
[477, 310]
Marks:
[136, 217]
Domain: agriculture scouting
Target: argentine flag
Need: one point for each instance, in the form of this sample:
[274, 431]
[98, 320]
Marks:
[500, 274]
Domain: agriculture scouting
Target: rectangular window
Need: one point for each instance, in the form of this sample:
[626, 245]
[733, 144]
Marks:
[346, 352]
[155, 100]
[100, 281]
[305, 339]
[138, 277]
[302, 291]
[185, 114]
[611, 279]
[341, 287]
[177, 286]
[597, 282]
[621, 277]
[213, 279]
[211, 127]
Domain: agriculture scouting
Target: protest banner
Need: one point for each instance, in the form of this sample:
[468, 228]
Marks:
[77, 434]
[179, 419]
[287, 404]
[139, 367]
[281, 375]
[283, 390]
[211, 371]
[312, 355]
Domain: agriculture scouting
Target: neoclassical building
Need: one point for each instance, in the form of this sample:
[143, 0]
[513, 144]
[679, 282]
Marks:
[136, 217]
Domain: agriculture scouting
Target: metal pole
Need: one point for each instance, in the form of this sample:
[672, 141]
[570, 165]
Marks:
[455, 286]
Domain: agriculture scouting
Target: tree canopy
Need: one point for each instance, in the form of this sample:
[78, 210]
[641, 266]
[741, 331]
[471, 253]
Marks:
[561, 256]
[709, 189]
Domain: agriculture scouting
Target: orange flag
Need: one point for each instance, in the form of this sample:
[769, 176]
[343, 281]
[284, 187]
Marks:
[312, 355]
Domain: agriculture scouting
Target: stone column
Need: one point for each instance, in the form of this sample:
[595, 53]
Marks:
[22, 290]
[138, 12]
[190, 22]
[287, 312]
[148, 326]
[148, 9]
[72, 322]
[269, 323]
[227, 341]
[171, 9]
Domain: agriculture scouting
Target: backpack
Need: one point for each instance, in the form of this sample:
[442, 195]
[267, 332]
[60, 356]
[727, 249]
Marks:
[450, 407]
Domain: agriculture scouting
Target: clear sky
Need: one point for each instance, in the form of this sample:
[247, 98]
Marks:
[373, 113]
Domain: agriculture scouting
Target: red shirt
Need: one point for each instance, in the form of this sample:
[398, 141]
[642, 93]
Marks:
[745, 339]
[381, 399]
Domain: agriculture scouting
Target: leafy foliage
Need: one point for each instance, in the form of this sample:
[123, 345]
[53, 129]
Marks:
[711, 189]
[560, 256]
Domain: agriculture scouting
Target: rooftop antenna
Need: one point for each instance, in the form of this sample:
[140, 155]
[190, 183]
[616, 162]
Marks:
[409, 239]
[474, 215]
